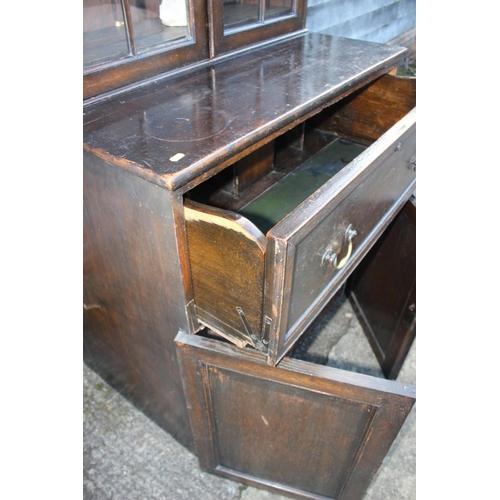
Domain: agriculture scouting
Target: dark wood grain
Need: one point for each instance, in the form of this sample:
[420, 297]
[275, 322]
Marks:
[366, 114]
[226, 254]
[253, 167]
[230, 187]
[304, 430]
[303, 219]
[368, 193]
[134, 294]
[213, 114]
[383, 292]
[158, 265]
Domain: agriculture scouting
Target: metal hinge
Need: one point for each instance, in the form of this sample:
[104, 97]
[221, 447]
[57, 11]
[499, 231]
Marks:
[259, 343]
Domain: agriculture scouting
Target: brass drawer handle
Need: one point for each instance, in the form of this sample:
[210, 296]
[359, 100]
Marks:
[330, 258]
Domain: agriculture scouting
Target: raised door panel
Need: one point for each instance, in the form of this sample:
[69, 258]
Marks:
[298, 428]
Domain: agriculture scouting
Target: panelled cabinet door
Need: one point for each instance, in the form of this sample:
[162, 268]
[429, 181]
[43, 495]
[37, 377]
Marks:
[383, 292]
[298, 428]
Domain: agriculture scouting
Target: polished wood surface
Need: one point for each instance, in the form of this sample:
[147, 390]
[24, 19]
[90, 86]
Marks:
[214, 114]
[383, 292]
[301, 429]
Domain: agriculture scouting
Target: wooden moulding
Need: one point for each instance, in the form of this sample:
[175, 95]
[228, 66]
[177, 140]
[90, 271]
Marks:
[226, 252]
[135, 70]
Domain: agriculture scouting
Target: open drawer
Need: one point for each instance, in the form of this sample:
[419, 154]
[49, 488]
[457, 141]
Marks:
[301, 429]
[268, 256]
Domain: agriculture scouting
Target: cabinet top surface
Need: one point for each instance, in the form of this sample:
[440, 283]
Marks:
[173, 130]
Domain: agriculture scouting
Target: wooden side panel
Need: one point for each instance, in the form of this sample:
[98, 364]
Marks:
[383, 292]
[300, 429]
[134, 292]
[371, 111]
[225, 189]
[253, 167]
[226, 254]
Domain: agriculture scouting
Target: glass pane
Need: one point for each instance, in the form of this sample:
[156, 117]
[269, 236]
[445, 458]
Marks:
[278, 8]
[104, 33]
[158, 22]
[240, 13]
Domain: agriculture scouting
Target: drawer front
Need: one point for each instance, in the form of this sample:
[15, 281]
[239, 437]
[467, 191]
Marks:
[312, 251]
[301, 429]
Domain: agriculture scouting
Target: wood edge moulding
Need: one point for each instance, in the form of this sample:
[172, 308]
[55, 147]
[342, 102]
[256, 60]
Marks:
[200, 171]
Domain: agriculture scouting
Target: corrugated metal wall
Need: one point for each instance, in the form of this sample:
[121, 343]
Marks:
[371, 20]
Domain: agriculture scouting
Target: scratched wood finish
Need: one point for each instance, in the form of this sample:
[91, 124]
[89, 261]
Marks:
[214, 114]
[226, 254]
[383, 292]
[366, 114]
[134, 294]
[304, 430]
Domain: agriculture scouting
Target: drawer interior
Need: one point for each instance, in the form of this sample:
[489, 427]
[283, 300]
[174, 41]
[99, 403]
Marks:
[303, 159]
[274, 204]
[229, 215]
[298, 162]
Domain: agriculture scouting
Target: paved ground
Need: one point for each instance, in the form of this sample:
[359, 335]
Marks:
[128, 457]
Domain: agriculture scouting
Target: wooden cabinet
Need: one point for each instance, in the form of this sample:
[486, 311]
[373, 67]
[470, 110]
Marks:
[261, 273]
[239, 195]
[129, 41]
[236, 25]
